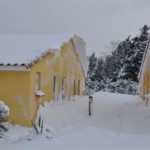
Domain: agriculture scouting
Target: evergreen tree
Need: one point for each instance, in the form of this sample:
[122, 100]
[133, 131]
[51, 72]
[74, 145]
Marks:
[92, 67]
[110, 68]
[99, 72]
[91, 75]
[134, 55]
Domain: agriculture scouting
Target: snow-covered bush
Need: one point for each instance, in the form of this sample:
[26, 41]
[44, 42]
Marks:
[4, 113]
[122, 86]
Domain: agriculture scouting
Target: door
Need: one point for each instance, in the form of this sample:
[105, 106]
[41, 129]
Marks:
[64, 88]
[74, 87]
[55, 88]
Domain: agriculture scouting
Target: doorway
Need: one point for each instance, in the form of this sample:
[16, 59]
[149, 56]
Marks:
[55, 88]
[64, 88]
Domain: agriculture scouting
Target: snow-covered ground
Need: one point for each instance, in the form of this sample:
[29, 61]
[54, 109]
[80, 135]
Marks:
[118, 122]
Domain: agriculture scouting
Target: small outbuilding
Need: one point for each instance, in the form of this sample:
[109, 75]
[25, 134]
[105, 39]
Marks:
[144, 74]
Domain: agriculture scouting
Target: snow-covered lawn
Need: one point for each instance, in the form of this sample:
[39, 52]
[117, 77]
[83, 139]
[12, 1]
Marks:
[118, 122]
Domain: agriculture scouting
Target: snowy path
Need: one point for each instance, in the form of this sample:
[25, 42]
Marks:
[118, 122]
[122, 113]
[114, 112]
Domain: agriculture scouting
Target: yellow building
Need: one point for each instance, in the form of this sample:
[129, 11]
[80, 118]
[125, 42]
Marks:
[144, 75]
[30, 75]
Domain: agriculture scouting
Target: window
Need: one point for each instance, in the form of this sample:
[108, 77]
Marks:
[55, 88]
[38, 80]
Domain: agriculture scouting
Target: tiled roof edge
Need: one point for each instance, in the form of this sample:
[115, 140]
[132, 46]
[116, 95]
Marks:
[29, 64]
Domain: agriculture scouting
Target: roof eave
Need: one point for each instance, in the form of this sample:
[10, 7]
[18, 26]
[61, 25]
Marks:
[14, 68]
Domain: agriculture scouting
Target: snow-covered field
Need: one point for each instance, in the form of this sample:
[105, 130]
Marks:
[118, 122]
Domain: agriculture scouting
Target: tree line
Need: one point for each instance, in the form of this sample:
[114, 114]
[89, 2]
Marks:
[118, 72]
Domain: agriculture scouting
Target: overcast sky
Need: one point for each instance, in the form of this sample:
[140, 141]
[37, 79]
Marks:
[97, 22]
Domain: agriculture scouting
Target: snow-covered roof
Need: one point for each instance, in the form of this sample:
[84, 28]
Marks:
[23, 50]
[20, 52]
[81, 51]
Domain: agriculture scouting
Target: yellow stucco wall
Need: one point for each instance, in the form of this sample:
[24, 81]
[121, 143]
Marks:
[146, 85]
[14, 91]
[62, 64]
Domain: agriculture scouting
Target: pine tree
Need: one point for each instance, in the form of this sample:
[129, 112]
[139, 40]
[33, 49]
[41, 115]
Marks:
[134, 55]
[92, 67]
[100, 80]
[109, 68]
[91, 75]
[99, 69]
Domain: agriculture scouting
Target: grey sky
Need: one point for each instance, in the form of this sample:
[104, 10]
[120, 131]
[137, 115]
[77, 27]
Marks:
[98, 22]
